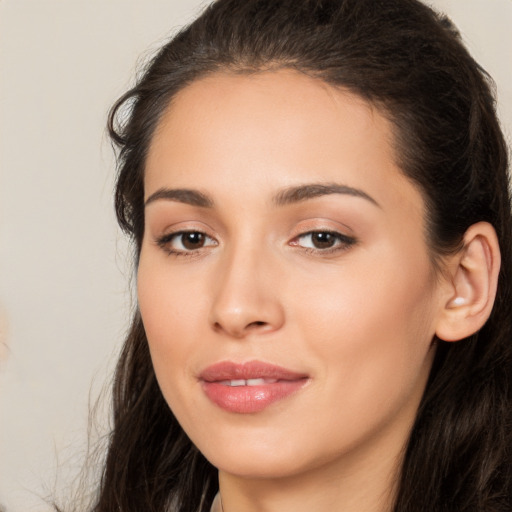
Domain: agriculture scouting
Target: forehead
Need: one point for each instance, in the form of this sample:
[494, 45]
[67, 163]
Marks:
[270, 130]
[289, 105]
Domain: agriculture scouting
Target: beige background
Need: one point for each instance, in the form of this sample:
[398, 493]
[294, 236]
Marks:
[64, 267]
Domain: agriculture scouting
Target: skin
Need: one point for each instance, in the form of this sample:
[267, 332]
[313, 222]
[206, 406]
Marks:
[358, 318]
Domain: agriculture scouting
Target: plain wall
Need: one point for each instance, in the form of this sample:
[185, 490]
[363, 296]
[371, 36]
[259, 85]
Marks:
[65, 297]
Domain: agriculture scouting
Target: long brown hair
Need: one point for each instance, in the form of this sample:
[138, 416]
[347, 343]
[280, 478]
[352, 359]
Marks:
[408, 61]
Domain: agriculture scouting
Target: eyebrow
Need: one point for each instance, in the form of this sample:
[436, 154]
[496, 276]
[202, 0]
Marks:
[181, 195]
[310, 191]
[284, 197]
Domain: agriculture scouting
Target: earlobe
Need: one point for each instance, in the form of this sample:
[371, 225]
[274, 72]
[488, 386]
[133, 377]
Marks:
[474, 279]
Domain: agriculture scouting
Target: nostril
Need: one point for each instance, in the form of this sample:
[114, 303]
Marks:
[256, 324]
[217, 326]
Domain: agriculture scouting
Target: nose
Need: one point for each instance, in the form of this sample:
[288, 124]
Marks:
[246, 296]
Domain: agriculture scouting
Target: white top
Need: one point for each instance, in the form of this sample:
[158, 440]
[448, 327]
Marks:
[216, 505]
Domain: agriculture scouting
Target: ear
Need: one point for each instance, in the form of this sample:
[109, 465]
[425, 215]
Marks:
[472, 282]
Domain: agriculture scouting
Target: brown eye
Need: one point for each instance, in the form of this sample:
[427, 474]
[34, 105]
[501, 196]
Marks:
[323, 240]
[184, 242]
[192, 240]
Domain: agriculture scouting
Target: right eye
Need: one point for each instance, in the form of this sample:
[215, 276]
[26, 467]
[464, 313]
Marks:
[185, 242]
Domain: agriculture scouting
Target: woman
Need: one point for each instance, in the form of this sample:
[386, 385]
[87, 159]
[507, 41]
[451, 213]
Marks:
[318, 196]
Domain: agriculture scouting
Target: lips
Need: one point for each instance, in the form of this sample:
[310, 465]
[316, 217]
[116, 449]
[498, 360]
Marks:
[250, 387]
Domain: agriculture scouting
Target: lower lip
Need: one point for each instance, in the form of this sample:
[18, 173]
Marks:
[250, 399]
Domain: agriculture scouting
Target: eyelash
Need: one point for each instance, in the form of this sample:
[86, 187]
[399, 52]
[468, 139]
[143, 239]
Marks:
[342, 242]
[164, 242]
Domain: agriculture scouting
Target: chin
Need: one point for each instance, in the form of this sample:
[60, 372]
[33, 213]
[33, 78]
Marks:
[272, 459]
[261, 467]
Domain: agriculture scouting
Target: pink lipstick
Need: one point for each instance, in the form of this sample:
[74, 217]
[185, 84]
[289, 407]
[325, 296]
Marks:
[249, 387]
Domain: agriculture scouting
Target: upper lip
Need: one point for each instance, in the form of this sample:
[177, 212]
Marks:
[228, 370]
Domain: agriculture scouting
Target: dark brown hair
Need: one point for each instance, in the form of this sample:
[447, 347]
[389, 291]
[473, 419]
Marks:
[410, 63]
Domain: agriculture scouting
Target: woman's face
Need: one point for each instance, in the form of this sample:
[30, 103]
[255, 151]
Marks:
[284, 282]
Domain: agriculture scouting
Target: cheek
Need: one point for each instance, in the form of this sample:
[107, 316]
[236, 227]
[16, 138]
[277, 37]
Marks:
[169, 307]
[371, 326]
[170, 300]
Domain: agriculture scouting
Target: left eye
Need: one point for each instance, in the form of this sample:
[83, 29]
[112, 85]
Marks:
[323, 240]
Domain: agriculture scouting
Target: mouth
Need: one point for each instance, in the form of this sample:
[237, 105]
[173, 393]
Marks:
[249, 387]
[247, 382]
